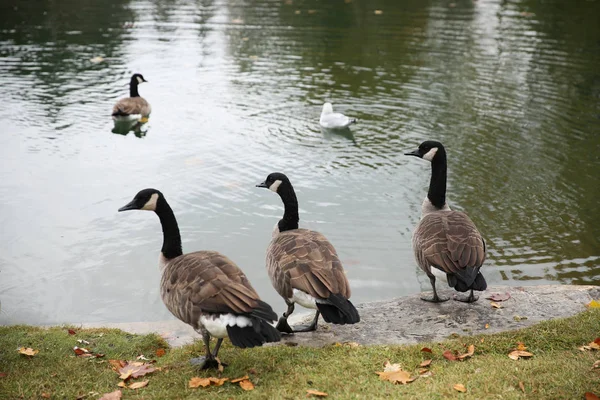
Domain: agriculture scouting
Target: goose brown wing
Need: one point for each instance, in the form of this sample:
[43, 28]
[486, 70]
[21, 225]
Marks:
[305, 260]
[131, 106]
[448, 240]
[206, 281]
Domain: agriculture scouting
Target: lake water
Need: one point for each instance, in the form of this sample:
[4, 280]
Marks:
[512, 88]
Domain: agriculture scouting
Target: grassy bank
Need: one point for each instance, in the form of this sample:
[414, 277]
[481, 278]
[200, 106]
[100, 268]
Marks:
[557, 370]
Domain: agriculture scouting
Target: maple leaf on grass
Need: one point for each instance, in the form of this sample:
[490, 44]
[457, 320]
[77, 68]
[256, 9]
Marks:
[448, 355]
[27, 351]
[135, 370]
[138, 385]
[236, 380]
[116, 395]
[516, 354]
[426, 350]
[595, 345]
[197, 382]
[394, 374]
[316, 393]
[116, 365]
[590, 396]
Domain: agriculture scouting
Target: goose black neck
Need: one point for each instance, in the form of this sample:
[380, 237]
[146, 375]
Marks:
[437, 184]
[133, 88]
[290, 204]
[171, 247]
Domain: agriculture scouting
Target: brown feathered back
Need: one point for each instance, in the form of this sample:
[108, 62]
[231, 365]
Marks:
[305, 260]
[205, 281]
[132, 106]
[449, 240]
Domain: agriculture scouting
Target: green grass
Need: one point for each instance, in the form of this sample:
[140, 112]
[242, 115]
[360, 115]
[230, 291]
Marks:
[558, 369]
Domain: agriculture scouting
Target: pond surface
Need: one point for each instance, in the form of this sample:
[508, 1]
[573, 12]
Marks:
[512, 88]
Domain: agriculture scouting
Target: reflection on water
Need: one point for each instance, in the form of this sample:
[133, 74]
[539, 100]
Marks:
[123, 127]
[511, 88]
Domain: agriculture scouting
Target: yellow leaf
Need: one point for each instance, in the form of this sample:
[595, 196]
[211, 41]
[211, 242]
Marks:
[197, 382]
[487, 326]
[521, 346]
[516, 354]
[246, 384]
[218, 381]
[469, 353]
[316, 393]
[122, 384]
[400, 376]
[460, 387]
[594, 304]
[27, 351]
[236, 380]
[495, 305]
[138, 385]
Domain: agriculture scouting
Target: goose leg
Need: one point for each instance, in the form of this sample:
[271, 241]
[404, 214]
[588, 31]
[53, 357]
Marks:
[469, 299]
[435, 298]
[308, 328]
[282, 324]
[209, 360]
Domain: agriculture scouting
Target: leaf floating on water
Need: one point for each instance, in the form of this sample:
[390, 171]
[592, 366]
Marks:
[116, 395]
[97, 59]
[378, 12]
[316, 393]
[499, 296]
[460, 387]
[27, 351]
[237, 21]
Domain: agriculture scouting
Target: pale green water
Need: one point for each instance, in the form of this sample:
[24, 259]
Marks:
[511, 88]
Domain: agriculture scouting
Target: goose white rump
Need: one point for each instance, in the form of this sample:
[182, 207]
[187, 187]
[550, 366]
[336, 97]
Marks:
[331, 120]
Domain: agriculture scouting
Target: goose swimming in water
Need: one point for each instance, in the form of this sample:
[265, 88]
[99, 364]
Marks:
[133, 106]
[446, 241]
[205, 289]
[304, 266]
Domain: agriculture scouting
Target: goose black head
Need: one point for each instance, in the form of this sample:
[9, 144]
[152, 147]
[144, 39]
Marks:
[273, 181]
[146, 199]
[137, 79]
[427, 150]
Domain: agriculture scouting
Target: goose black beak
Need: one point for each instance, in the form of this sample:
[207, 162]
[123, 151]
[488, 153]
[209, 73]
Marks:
[263, 185]
[413, 153]
[129, 206]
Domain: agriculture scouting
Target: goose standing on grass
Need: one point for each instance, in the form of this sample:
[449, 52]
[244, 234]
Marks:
[205, 289]
[446, 241]
[133, 106]
[304, 267]
[331, 120]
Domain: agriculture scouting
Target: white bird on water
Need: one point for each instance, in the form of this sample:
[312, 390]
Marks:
[331, 120]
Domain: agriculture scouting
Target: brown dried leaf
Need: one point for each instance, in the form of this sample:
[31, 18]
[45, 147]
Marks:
[81, 352]
[116, 395]
[521, 346]
[425, 363]
[522, 387]
[487, 326]
[595, 345]
[495, 305]
[135, 370]
[516, 354]
[160, 352]
[122, 384]
[448, 355]
[460, 387]
[399, 376]
[591, 396]
[246, 384]
[236, 380]
[218, 381]
[45, 395]
[138, 385]
[116, 365]
[316, 393]
[71, 332]
[499, 296]
[27, 351]
[469, 353]
[197, 382]
[426, 350]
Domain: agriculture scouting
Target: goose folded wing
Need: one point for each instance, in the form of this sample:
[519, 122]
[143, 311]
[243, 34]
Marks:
[130, 106]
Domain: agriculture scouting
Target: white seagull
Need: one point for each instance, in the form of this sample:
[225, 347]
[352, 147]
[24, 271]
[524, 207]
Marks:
[331, 120]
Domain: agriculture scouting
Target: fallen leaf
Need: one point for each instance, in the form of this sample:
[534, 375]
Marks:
[197, 382]
[394, 374]
[117, 364]
[246, 384]
[27, 351]
[83, 341]
[425, 363]
[594, 304]
[160, 352]
[595, 345]
[590, 396]
[460, 387]
[71, 332]
[135, 370]
[516, 354]
[499, 296]
[122, 384]
[351, 344]
[522, 387]
[495, 305]
[448, 355]
[487, 326]
[45, 395]
[138, 385]
[297, 12]
[218, 381]
[425, 373]
[378, 12]
[596, 365]
[469, 353]
[97, 59]
[521, 346]
[81, 352]
[316, 393]
[236, 380]
[426, 350]
[519, 318]
[116, 395]
[312, 11]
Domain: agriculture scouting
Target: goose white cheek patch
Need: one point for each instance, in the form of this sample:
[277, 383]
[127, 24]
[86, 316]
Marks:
[275, 185]
[139, 79]
[430, 154]
[151, 204]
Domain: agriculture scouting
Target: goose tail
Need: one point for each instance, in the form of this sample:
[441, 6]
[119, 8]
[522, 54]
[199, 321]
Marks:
[338, 310]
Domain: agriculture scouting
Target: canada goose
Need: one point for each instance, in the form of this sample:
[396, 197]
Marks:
[134, 105]
[205, 289]
[331, 120]
[304, 267]
[445, 240]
